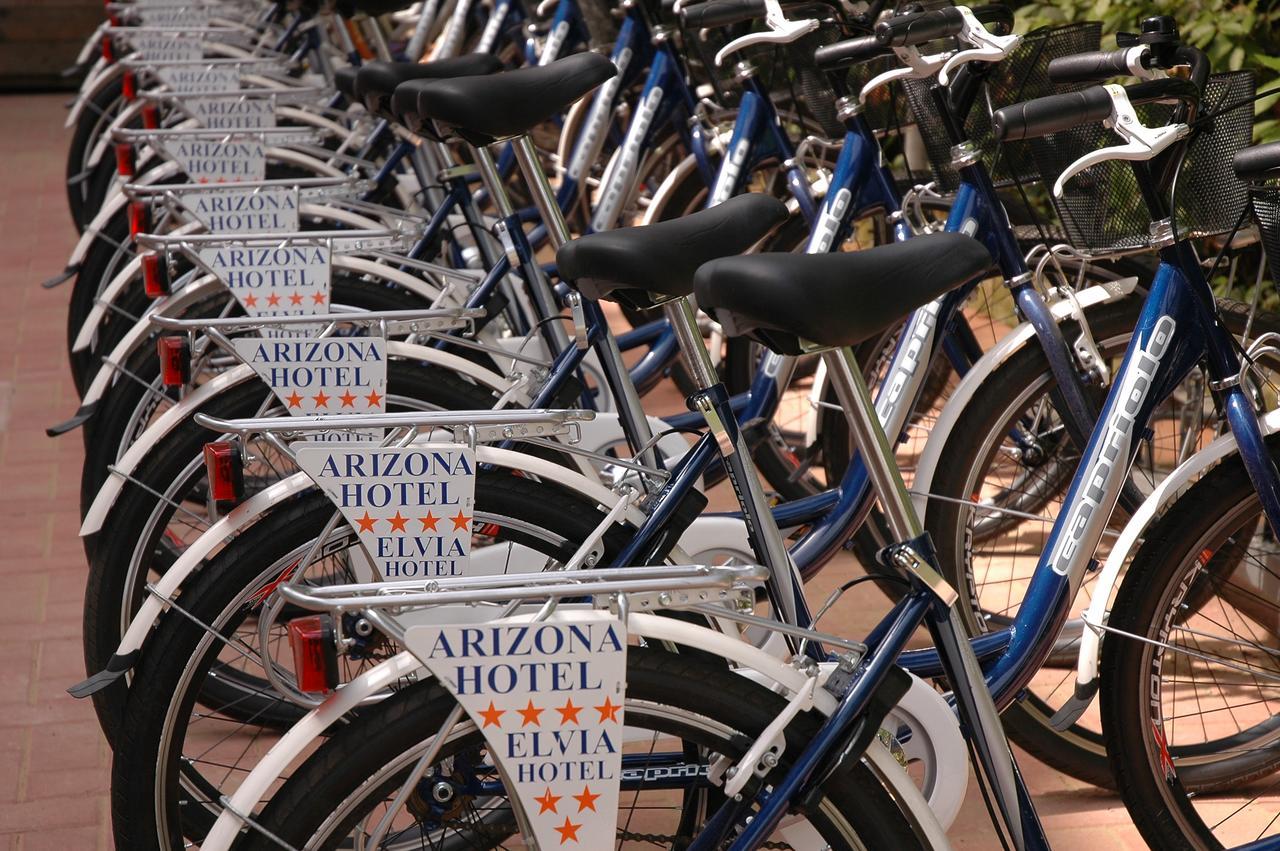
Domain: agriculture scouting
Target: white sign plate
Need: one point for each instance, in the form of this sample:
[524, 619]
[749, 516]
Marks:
[410, 506]
[155, 47]
[324, 375]
[214, 161]
[267, 209]
[232, 112]
[548, 698]
[197, 79]
[283, 280]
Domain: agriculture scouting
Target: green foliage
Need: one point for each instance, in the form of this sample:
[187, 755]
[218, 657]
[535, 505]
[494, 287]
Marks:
[1235, 35]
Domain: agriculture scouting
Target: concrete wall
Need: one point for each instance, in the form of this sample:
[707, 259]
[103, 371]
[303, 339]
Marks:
[39, 38]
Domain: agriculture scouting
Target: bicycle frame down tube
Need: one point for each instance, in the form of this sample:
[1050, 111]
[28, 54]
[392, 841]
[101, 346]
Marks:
[1173, 332]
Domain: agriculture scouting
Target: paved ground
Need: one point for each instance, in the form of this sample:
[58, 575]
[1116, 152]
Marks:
[54, 765]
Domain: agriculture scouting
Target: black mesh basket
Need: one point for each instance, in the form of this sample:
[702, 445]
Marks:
[1265, 201]
[1101, 209]
[1023, 75]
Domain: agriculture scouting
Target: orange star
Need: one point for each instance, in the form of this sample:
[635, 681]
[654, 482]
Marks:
[569, 713]
[608, 711]
[322, 401]
[348, 401]
[273, 300]
[397, 522]
[296, 298]
[294, 400]
[548, 802]
[251, 301]
[203, 180]
[318, 298]
[429, 522]
[366, 522]
[373, 398]
[492, 716]
[530, 715]
[586, 801]
[568, 831]
[460, 521]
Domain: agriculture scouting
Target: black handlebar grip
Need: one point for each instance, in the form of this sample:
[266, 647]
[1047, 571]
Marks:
[848, 52]
[719, 13]
[1092, 67]
[1051, 114]
[909, 30]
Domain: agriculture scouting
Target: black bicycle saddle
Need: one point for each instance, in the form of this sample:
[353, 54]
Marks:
[834, 299]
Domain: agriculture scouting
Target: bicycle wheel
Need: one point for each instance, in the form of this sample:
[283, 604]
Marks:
[200, 709]
[95, 117]
[1191, 684]
[675, 705]
[991, 506]
[165, 507]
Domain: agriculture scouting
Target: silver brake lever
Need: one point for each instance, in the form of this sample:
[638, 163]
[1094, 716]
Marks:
[781, 31]
[1141, 143]
[987, 47]
[545, 8]
[918, 67]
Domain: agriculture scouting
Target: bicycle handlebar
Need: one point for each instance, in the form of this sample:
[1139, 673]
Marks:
[1055, 113]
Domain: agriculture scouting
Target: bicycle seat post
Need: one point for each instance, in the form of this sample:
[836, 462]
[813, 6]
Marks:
[627, 397]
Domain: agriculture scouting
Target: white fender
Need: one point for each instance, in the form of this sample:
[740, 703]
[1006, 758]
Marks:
[111, 292]
[303, 116]
[999, 353]
[164, 424]
[130, 112]
[91, 44]
[337, 214]
[114, 203]
[301, 160]
[290, 748]
[154, 432]
[668, 185]
[90, 89]
[248, 512]
[174, 304]
[1102, 588]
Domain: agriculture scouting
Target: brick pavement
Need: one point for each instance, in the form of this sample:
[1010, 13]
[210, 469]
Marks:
[54, 765]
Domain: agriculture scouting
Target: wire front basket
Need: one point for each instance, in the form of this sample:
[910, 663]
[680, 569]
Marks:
[1023, 75]
[1265, 201]
[1102, 209]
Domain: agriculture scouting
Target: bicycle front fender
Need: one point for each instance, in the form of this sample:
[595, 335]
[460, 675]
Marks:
[1105, 586]
[1008, 345]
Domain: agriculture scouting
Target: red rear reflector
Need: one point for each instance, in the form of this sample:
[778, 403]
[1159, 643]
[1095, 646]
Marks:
[130, 85]
[151, 116]
[175, 360]
[315, 655]
[225, 468]
[139, 218]
[108, 50]
[155, 275]
[124, 159]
